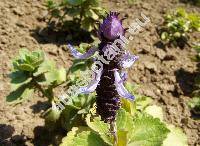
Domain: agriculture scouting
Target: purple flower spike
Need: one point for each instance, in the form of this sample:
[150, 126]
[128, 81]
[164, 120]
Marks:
[92, 86]
[109, 82]
[124, 76]
[128, 60]
[111, 28]
[120, 87]
[79, 55]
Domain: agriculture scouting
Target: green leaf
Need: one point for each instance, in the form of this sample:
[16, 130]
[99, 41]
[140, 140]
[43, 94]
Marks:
[78, 65]
[90, 13]
[155, 111]
[148, 131]
[66, 141]
[142, 102]
[73, 12]
[22, 53]
[83, 47]
[61, 75]
[122, 138]
[87, 24]
[20, 94]
[176, 137]
[101, 12]
[128, 105]
[194, 103]
[164, 36]
[94, 3]
[83, 101]
[46, 66]
[19, 77]
[87, 138]
[75, 2]
[57, 76]
[101, 128]
[130, 87]
[28, 61]
[50, 4]
[26, 67]
[70, 118]
[124, 121]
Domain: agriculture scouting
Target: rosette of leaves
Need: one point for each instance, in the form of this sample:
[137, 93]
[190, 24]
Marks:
[142, 129]
[84, 13]
[178, 25]
[33, 71]
[138, 123]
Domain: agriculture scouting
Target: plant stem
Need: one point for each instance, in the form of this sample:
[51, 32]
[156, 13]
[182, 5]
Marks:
[113, 130]
[39, 87]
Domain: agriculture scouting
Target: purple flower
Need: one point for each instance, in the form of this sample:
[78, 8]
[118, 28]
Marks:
[120, 87]
[111, 28]
[124, 76]
[79, 55]
[127, 60]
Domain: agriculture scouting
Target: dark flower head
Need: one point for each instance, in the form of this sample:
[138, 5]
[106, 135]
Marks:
[111, 28]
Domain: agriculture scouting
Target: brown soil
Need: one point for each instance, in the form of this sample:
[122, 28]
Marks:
[164, 73]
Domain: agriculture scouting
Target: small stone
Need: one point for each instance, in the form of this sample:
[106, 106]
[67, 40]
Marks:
[147, 92]
[4, 40]
[151, 66]
[166, 87]
[146, 49]
[146, 6]
[160, 54]
[18, 11]
[19, 117]
[21, 24]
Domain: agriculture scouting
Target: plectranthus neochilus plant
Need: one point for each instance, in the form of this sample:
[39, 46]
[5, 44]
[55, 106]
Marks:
[108, 81]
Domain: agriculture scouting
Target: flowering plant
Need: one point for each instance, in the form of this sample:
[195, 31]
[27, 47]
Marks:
[103, 118]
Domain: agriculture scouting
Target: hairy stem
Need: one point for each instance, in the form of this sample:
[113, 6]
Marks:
[113, 130]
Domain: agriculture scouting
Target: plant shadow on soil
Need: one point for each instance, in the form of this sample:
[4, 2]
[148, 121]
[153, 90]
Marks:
[50, 133]
[44, 137]
[8, 139]
[185, 80]
[59, 36]
[40, 106]
[192, 2]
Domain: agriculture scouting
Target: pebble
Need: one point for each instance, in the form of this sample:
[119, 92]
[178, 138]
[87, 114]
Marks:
[151, 66]
[166, 87]
[18, 11]
[146, 49]
[160, 54]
